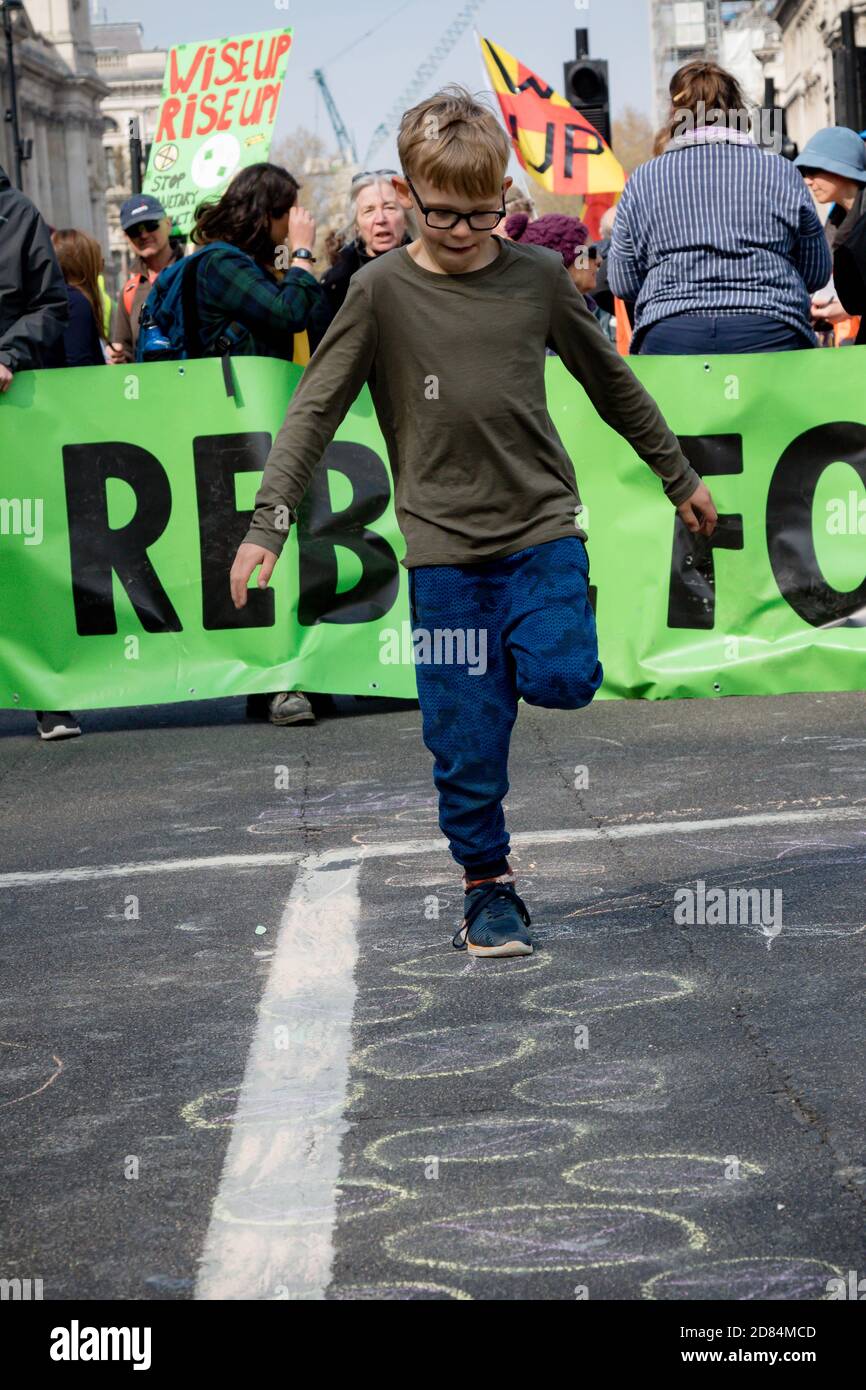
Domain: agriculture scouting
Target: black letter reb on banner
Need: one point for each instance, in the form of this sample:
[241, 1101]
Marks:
[321, 530]
[96, 549]
[218, 457]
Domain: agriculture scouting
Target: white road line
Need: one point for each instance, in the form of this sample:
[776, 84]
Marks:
[271, 1229]
[393, 849]
[86, 872]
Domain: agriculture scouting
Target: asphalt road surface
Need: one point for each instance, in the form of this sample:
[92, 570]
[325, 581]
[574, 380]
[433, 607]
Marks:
[240, 1058]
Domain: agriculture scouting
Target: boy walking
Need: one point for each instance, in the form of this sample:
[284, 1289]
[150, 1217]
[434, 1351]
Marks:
[450, 333]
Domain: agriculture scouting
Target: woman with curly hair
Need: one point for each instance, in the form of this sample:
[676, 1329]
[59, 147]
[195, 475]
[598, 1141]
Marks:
[258, 216]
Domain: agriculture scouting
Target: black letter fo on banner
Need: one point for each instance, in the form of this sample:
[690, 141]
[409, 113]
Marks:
[692, 601]
[789, 524]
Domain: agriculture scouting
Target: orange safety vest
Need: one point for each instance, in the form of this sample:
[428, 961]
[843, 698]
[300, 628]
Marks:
[129, 292]
[848, 328]
[624, 329]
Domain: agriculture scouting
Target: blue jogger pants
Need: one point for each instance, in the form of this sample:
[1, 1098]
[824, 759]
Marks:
[524, 627]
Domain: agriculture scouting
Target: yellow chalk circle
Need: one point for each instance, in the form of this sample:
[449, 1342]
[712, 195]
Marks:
[443, 1052]
[457, 968]
[474, 1141]
[553, 1238]
[605, 993]
[745, 1279]
[395, 1293]
[216, 1109]
[590, 1081]
[271, 1204]
[374, 1004]
[660, 1174]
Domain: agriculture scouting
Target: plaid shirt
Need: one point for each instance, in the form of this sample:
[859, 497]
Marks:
[232, 290]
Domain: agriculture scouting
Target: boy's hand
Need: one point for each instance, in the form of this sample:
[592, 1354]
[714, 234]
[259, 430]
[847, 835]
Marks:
[5, 378]
[698, 512]
[246, 560]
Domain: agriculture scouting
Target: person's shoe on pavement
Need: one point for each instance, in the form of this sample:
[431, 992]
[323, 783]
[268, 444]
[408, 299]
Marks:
[286, 707]
[494, 919]
[52, 723]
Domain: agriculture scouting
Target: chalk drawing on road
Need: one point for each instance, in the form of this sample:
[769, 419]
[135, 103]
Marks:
[408, 875]
[658, 1175]
[452, 967]
[545, 1238]
[793, 931]
[587, 1081]
[395, 1293]
[443, 1052]
[604, 993]
[362, 806]
[216, 1109]
[487, 1140]
[745, 1278]
[391, 1004]
[22, 1078]
[265, 1204]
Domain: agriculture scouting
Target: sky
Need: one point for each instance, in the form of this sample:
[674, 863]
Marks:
[367, 80]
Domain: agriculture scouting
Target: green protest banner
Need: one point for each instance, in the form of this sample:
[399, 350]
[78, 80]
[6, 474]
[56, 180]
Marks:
[124, 494]
[219, 104]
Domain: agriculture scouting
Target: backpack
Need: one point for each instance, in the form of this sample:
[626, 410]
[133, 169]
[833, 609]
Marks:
[169, 329]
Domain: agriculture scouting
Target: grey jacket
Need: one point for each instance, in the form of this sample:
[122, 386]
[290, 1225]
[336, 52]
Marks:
[34, 307]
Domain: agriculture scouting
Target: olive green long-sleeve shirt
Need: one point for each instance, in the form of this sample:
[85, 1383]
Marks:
[455, 365]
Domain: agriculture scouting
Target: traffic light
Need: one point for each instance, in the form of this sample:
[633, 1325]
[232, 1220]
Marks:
[587, 86]
[849, 76]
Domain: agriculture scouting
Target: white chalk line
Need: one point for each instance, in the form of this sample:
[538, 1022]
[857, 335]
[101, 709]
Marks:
[395, 849]
[271, 1229]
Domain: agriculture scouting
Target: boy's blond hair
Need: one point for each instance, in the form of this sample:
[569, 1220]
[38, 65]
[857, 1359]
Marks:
[452, 141]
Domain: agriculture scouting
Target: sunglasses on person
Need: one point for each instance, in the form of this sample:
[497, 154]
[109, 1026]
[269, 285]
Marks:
[444, 219]
[141, 228]
[375, 174]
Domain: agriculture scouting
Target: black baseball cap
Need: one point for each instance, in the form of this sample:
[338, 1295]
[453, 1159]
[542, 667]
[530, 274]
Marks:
[141, 207]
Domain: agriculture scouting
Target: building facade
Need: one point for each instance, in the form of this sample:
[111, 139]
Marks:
[133, 77]
[681, 30]
[59, 95]
[813, 46]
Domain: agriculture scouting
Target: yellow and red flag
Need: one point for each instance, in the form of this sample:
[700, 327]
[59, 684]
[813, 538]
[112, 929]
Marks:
[553, 141]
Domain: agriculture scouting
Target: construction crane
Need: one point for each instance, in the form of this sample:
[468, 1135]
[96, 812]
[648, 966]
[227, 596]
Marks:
[345, 143]
[416, 87]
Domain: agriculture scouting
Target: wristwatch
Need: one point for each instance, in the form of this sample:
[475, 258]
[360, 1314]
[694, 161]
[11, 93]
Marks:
[302, 254]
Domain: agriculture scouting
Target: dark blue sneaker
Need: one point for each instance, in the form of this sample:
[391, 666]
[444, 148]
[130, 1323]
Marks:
[494, 920]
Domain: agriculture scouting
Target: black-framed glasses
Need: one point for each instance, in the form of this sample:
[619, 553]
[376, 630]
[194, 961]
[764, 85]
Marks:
[140, 228]
[443, 219]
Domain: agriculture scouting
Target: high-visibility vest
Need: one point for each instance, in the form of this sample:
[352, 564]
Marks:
[623, 328]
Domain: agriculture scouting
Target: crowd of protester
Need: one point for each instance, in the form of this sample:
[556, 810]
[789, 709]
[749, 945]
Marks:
[715, 245]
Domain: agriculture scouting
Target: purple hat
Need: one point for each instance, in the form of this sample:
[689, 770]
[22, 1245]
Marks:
[555, 230]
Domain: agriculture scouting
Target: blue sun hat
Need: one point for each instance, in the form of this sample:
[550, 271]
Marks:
[836, 150]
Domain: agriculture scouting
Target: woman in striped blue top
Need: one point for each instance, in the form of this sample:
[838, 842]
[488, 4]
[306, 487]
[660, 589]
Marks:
[716, 240]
